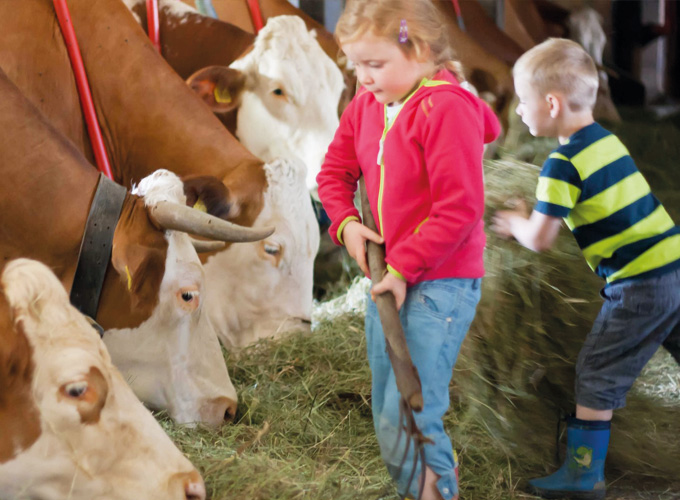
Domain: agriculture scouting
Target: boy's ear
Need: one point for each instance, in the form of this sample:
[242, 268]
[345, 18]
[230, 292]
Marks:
[555, 104]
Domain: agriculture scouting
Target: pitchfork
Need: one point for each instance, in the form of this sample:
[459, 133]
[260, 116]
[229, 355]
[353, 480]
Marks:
[406, 374]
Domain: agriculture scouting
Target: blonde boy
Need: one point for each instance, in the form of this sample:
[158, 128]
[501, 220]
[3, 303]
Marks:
[626, 236]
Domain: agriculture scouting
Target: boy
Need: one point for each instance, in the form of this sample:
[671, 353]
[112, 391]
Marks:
[626, 236]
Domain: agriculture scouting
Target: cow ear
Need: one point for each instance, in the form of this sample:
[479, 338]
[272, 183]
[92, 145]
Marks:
[207, 193]
[219, 87]
[141, 269]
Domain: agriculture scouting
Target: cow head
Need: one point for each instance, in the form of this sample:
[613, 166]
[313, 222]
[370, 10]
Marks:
[75, 429]
[173, 359]
[288, 98]
[264, 288]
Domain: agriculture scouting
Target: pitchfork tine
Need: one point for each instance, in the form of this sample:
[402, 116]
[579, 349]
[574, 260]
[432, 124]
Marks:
[401, 426]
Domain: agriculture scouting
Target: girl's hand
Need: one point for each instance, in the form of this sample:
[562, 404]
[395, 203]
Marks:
[354, 235]
[390, 283]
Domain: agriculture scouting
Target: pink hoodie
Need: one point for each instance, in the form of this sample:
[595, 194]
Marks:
[427, 194]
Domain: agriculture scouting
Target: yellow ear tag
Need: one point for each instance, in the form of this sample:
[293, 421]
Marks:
[222, 95]
[129, 278]
[199, 205]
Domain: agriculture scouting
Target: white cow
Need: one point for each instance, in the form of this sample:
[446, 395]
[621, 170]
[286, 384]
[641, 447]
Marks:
[264, 289]
[585, 27]
[69, 425]
[290, 104]
[173, 360]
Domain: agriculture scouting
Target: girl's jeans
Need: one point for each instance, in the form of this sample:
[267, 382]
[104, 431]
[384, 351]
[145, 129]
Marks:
[436, 316]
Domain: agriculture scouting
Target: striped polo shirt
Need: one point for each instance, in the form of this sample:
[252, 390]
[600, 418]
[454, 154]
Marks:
[622, 229]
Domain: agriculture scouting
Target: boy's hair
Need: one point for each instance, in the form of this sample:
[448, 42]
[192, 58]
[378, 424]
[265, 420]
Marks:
[562, 65]
[383, 18]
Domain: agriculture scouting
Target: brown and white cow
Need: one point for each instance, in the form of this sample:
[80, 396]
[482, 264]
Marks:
[280, 117]
[153, 285]
[70, 426]
[150, 118]
[284, 89]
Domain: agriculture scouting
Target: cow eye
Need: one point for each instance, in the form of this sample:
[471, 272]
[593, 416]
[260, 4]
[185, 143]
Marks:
[76, 389]
[189, 296]
[272, 249]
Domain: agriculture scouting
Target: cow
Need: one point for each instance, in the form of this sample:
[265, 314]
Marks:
[261, 305]
[71, 427]
[531, 22]
[283, 88]
[151, 120]
[151, 297]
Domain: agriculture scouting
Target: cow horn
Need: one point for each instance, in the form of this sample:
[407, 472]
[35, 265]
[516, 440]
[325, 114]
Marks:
[202, 246]
[182, 218]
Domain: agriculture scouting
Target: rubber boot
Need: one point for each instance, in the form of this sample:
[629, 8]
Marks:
[581, 476]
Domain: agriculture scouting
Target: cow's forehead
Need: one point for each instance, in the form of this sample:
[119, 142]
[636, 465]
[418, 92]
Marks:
[286, 40]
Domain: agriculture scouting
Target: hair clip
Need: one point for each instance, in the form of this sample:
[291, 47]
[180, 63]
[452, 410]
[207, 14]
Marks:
[403, 32]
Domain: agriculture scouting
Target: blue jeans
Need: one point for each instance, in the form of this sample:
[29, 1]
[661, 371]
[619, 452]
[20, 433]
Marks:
[436, 316]
[637, 317]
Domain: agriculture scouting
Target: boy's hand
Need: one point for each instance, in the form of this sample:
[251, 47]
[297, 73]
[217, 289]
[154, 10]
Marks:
[501, 223]
[537, 232]
[354, 235]
[390, 283]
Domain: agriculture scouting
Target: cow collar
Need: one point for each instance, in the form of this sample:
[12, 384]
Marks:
[95, 247]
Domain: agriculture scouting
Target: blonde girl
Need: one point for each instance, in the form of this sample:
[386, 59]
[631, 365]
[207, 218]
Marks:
[417, 137]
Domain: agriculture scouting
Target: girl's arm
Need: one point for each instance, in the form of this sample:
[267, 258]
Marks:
[338, 177]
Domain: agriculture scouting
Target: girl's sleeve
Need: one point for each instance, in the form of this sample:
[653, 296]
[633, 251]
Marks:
[455, 129]
[338, 177]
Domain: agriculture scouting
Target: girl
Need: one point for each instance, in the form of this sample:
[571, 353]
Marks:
[417, 138]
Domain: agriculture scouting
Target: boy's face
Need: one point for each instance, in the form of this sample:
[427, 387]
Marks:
[382, 68]
[534, 109]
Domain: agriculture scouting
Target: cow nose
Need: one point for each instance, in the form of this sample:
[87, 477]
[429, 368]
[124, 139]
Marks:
[194, 488]
[215, 411]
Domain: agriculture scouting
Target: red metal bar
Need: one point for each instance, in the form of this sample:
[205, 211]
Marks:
[152, 23]
[256, 15]
[83, 86]
[459, 15]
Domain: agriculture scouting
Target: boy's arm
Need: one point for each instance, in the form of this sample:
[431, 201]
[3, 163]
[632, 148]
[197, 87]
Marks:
[537, 231]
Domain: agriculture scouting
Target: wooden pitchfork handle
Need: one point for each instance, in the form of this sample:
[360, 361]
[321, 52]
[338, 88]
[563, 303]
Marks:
[406, 374]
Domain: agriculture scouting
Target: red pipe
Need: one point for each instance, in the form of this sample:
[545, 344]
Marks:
[256, 15]
[83, 87]
[459, 15]
[152, 23]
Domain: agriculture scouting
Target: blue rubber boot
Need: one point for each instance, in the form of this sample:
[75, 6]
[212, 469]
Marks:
[581, 476]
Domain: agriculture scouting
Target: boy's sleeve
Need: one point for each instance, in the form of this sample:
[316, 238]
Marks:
[453, 143]
[559, 186]
[338, 177]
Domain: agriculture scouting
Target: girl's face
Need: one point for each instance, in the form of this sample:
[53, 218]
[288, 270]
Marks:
[383, 69]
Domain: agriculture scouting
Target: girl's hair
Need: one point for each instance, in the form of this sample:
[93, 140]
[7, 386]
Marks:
[385, 18]
[562, 65]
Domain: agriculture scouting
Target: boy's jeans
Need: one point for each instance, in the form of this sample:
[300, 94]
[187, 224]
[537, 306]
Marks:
[436, 316]
[637, 317]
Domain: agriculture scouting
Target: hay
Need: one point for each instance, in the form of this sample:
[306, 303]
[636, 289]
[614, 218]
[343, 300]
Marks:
[304, 430]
